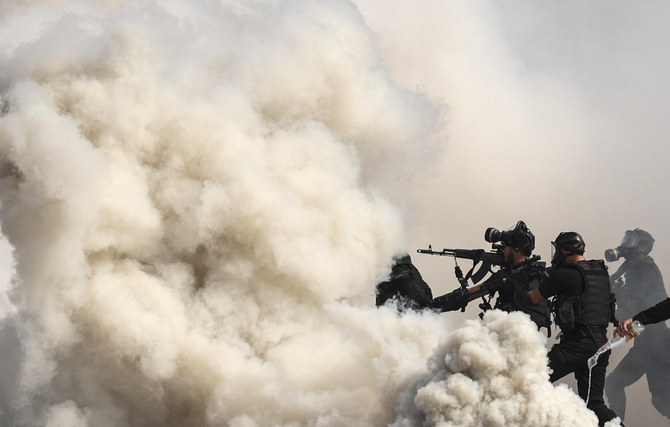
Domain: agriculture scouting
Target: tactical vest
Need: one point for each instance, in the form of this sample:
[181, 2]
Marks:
[594, 308]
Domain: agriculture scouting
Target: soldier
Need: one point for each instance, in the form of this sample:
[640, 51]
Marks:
[638, 283]
[583, 307]
[511, 283]
[405, 287]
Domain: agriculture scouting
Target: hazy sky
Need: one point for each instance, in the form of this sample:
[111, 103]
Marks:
[555, 115]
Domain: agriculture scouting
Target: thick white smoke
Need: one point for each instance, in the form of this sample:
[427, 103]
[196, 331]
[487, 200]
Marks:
[193, 195]
[182, 184]
[494, 372]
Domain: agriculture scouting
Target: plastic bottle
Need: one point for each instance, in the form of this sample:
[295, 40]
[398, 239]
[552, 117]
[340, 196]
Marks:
[634, 329]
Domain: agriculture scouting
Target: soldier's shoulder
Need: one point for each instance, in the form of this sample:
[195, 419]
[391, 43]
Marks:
[591, 264]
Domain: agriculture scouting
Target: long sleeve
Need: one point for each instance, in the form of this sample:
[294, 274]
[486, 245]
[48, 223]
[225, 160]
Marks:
[655, 314]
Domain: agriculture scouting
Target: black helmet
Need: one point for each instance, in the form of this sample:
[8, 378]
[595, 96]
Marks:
[571, 242]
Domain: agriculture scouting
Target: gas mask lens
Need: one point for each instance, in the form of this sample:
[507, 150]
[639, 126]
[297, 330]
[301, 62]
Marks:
[630, 240]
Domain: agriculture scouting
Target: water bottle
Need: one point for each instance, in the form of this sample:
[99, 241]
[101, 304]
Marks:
[634, 329]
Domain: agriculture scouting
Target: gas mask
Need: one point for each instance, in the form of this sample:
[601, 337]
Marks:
[517, 237]
[627, 249]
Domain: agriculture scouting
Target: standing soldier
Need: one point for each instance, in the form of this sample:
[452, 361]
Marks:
[638, 284]
[583, 307]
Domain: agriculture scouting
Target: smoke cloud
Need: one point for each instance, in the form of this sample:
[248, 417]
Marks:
[197, 199]
[494, 372]
[183, 190]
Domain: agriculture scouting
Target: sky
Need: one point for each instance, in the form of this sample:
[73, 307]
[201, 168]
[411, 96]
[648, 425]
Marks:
[197, 199]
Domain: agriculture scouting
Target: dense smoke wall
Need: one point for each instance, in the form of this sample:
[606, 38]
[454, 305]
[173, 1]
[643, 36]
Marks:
[194, 241]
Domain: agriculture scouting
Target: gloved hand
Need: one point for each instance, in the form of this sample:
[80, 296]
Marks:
[452, 301]
[497, 281]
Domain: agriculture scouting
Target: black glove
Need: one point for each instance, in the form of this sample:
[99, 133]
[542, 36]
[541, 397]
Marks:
[452, 301]
[497, 281]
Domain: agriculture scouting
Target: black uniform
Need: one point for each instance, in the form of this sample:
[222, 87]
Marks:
[512, 285]
[583, 309]
[655, 314]
[405, 286]
[522, 278]
[643, 284]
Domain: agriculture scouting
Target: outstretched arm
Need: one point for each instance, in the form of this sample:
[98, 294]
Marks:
[452, 301]
[459, 298]
[655, 314]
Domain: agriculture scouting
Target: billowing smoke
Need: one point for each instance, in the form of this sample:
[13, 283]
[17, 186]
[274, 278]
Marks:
[193, 236]
[494, 372]
[197, 200]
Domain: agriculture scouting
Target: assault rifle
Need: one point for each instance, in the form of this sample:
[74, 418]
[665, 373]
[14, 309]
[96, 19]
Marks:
[489, 259]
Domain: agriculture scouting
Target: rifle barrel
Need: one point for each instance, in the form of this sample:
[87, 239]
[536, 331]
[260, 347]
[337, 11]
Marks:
[496, 257]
